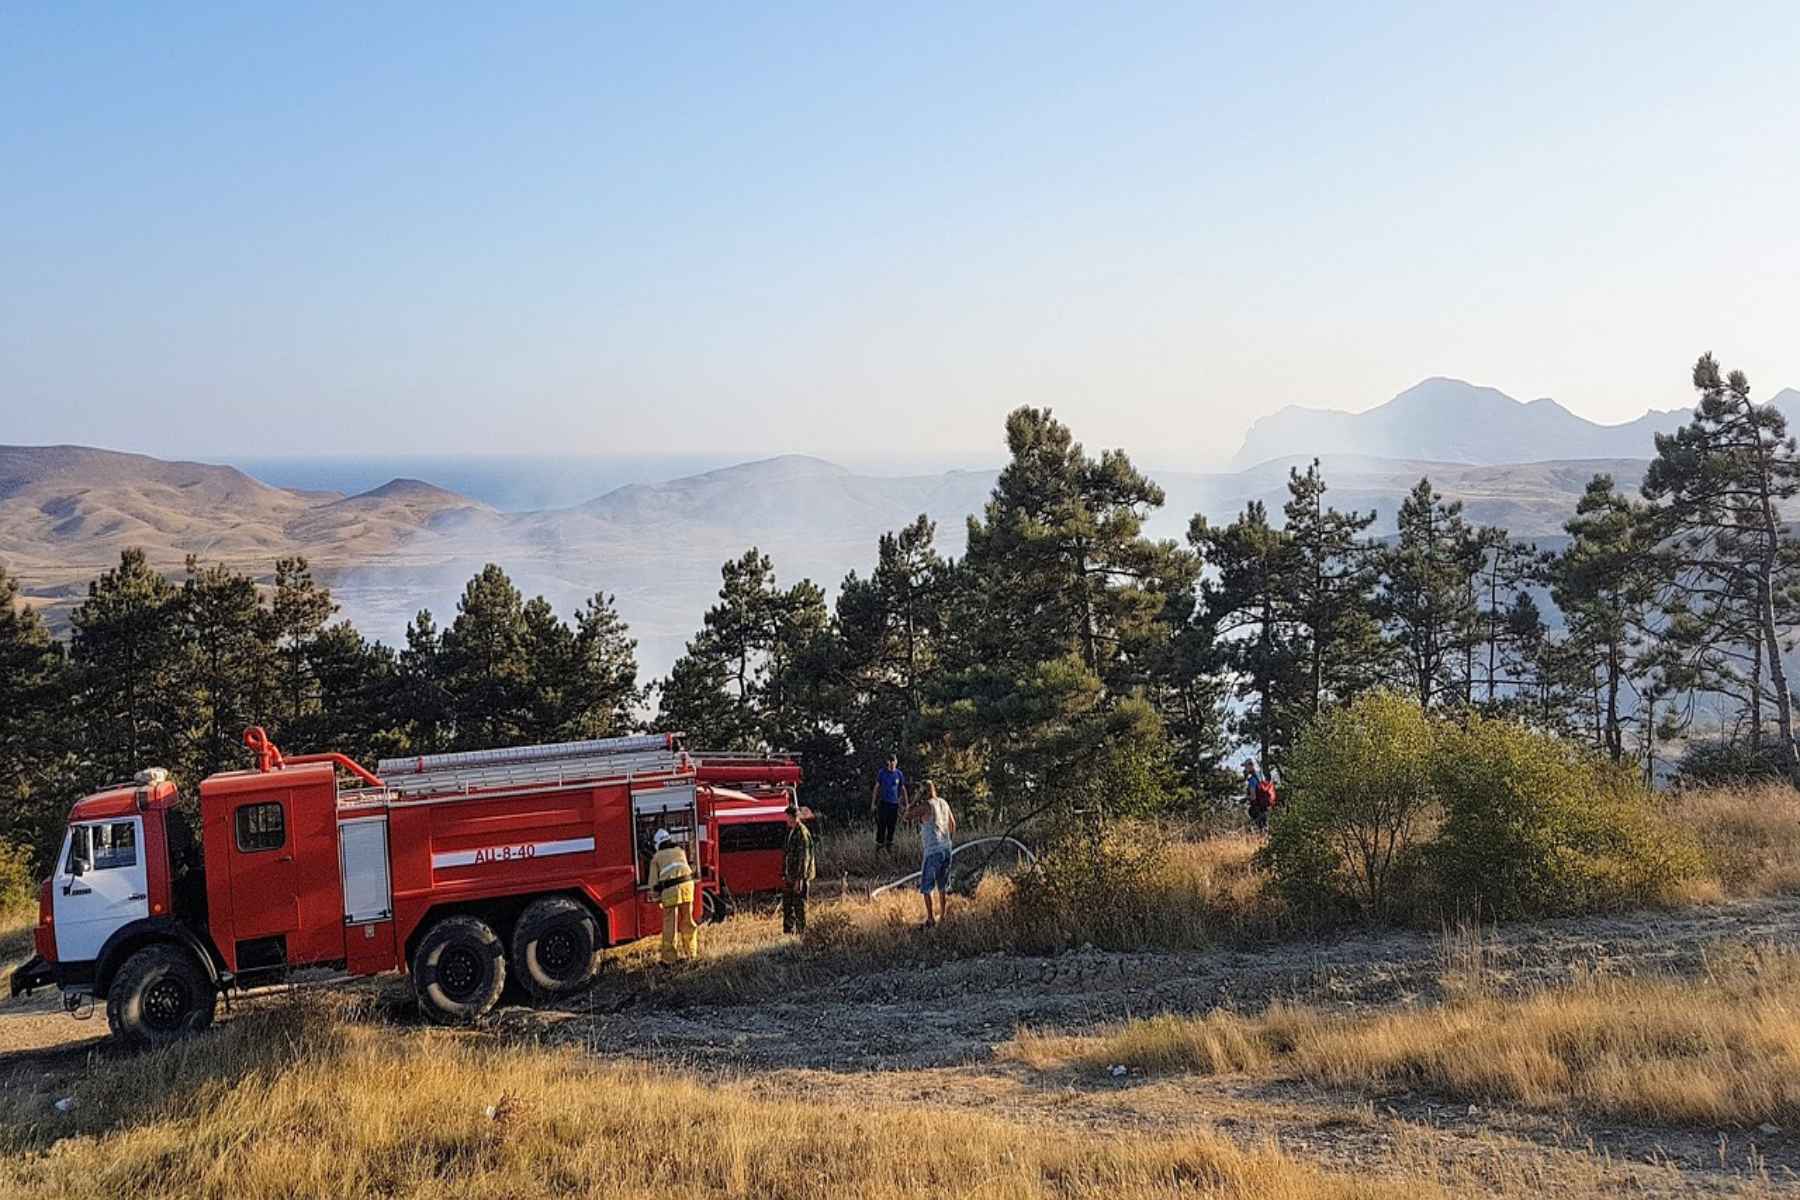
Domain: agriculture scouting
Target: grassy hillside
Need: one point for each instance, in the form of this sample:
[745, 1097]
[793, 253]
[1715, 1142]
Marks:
[307, 1103]
[1213, 1054]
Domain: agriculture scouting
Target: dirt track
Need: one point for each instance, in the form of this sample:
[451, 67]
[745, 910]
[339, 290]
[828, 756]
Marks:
[927, 1035]
[916, 1015]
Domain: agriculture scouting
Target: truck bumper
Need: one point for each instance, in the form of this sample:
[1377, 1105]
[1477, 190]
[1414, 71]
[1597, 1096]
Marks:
[32, 974]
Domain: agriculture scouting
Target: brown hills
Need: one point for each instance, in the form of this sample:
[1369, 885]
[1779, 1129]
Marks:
[66, 512]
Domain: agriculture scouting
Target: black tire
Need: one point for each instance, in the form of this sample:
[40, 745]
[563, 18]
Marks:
[556, 947]
[459, 970]
[715, 906]
[162, 994]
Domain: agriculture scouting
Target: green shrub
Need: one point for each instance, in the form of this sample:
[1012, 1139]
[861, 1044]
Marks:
[1091, 883]
[1535, 825]
[1356, 806]
[1393, 813]
[18, 884]
[1731, 763]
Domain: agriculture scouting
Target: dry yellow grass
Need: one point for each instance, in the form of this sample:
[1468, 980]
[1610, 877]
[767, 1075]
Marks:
[1203, 893]
[852, 854]
[1724, 1049]
[16, 925]
[303, 1105]
[1751, 836]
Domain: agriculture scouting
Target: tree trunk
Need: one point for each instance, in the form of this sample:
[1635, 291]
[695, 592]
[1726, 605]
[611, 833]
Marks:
[1756, 687]
[1784, 701]
[1765, 603]
[1615, 738]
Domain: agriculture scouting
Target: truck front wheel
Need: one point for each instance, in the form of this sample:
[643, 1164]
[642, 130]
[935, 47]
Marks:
[555, 947]
[458, 970]
[160, 995]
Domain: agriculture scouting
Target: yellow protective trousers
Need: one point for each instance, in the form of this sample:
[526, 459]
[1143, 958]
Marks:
[681, 937]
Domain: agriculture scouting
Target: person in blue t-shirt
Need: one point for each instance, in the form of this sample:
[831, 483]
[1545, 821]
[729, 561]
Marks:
[888, 794]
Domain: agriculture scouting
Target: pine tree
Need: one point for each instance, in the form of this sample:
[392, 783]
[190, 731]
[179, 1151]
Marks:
[740, 629]
[604, 695]
[1059, 601]
[296, 617]
[1507, 617]
[1716, 489]
[486, 667]
[696, 699]
[359, 711]
[891, 628]
[754, 676]
[1426, 602]
[422, 705]
[228, 665]
[1190, 687]
[1250, 604]
[128, 656]
[547, 692]
[34, 726]
[1331, 577]
[1606, 588]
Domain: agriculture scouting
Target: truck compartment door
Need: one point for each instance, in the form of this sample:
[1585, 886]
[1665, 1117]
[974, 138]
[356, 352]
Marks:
[363, 858]
[671, 808]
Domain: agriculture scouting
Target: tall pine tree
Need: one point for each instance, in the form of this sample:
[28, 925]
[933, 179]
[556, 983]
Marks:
[128, 653]
[1605, 585]
[1062, 603]
[1717, 487]
[35, 720]
[229, 666]
[1426, 602]
[485, 665]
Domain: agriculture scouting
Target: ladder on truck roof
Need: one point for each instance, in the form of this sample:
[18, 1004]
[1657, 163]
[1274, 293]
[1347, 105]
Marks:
[555, 763]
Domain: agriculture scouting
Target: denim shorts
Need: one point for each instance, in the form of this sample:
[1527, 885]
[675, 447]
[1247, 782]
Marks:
[936, 875]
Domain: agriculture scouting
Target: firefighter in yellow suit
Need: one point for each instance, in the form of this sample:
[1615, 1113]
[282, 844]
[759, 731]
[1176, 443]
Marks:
[672, 880]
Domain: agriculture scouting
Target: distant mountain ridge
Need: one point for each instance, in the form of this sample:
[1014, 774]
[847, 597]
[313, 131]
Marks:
[1450, 420]
[67, 512]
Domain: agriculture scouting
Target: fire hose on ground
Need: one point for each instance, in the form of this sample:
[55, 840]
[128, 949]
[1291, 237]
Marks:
[1023, 849]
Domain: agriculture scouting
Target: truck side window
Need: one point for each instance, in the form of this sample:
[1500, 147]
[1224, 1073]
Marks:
[261, 827]
[79, 855]
[115, 845]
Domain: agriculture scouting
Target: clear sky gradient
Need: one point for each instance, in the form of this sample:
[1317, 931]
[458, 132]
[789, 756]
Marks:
[866, 230]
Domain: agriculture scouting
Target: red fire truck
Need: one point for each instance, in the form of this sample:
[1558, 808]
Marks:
[460, 869]
[750, 795]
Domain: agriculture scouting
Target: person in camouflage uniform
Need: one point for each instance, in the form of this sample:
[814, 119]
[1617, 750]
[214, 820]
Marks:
[797, 871]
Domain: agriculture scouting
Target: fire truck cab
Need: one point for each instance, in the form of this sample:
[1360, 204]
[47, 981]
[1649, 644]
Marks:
[460, 869]
[750, 793]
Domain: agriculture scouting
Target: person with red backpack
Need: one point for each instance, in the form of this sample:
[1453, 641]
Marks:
[1259, 795]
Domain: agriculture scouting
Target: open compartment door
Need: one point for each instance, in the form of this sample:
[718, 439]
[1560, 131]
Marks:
[672, 808]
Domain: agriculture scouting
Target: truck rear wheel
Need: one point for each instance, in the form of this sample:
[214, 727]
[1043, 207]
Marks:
[160, 994]
[555, 947]
[716, 906]
[458, 970]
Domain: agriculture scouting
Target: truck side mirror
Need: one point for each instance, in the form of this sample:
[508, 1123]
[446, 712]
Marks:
[78, 867]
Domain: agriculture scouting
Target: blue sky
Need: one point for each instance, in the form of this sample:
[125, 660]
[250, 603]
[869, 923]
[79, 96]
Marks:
[867, 231]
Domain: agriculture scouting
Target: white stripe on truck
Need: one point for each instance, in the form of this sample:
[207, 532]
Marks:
[516, 852]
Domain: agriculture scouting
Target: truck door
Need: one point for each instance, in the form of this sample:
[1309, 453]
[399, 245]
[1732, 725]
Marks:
[101, 884]
[264, 900]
